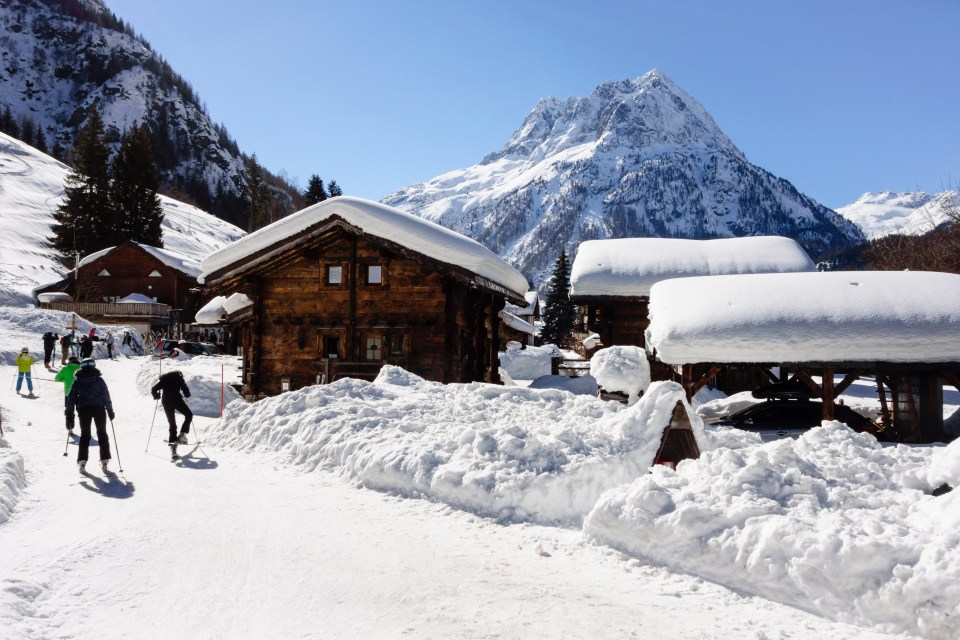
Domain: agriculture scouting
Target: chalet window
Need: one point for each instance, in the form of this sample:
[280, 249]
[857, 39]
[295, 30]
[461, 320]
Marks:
[155, 274]
[331, 347]
[374, 348]
[374, 274]
[104, 272]
[396, 343]
[334, 275]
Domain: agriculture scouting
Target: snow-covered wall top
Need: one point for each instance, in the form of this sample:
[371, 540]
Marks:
[381, 221]
[837, 316]
[630, 266]
[172, 259]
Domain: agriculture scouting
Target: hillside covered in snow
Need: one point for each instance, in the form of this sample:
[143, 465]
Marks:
[913, 213]
[635, 158]
[31, 189]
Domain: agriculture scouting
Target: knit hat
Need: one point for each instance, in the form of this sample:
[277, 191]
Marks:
[73, 360]
[25, 350]
[88, 362]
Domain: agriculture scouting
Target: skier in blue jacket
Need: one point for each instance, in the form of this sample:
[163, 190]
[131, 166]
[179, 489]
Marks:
[91, 399]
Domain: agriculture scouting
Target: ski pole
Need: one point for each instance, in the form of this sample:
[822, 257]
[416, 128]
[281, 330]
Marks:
[116, 445]
[66, 446]
[151, 425]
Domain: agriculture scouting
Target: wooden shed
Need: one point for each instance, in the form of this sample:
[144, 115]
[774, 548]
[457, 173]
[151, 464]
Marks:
[348, 285]
[900, 330]
[610, 281]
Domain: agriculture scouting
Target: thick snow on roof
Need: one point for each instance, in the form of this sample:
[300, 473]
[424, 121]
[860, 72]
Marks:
[630, 266]
[212, 312]
[381, 221]
[172, 259]
[839, 316]
[516, 323]
[137, 298]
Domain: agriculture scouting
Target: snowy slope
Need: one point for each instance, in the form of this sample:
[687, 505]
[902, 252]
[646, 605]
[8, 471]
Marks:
[59, 59]
[636, 158]
[267, 530]
[884, 213]
[31, 189]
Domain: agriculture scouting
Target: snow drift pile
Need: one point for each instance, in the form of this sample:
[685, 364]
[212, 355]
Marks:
[510, 453]
[832, 522]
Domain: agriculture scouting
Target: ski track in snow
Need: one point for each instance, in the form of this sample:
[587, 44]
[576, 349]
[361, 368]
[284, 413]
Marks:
[236, 545]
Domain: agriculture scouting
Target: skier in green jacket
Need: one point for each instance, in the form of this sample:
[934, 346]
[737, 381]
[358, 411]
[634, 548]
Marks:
[66, 376]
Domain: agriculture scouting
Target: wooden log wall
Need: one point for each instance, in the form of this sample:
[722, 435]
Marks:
[415, 317]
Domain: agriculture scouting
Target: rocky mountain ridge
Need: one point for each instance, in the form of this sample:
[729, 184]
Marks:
[635, 158]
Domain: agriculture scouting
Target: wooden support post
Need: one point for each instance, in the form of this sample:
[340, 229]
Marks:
[828, 395]
[885, 417]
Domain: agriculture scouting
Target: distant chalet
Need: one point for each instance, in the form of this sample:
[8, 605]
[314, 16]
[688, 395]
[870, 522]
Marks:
[345, 286]
[611, 279]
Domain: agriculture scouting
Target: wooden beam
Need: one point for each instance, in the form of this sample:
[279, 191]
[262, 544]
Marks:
[805, 377]
[704, 379]
[953, 379]
[852, 377]
[769, 373]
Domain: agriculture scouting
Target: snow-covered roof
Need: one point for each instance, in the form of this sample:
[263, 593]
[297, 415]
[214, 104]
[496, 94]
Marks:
[135, 298]
[532, 298]
[516, 323]
[839, 316]
[212, 312]
[381, 221]
[235, 302]
[630, 266]
[172, 259]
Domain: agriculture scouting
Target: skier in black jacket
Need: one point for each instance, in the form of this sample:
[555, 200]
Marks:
[171, 384]
[91, 398]
[49, 342]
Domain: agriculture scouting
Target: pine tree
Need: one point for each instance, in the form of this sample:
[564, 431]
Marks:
[315, 191]
[559, 313]
[259, 199]
[86, 209]
[133, 193]
[334, 189]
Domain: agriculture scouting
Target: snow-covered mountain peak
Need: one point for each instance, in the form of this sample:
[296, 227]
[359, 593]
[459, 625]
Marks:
[635, 158]
[885, 212]
[647, 113]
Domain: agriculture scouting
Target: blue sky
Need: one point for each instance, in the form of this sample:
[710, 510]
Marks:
[838, 97]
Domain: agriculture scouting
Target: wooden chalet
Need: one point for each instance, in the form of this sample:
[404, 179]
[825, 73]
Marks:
[343, 287]
[610, 282]
[821, 332]
[166, 278]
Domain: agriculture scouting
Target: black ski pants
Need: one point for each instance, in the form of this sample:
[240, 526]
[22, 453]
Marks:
[97, 414]
[177, 404]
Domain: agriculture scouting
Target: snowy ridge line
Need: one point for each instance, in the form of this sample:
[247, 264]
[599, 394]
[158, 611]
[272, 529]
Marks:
[13, 479]
[832, 523]
[513, 454]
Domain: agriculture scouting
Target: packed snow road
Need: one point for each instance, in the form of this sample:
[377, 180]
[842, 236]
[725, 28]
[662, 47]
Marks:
[227, 544]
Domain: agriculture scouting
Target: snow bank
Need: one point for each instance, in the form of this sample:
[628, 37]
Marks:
[836, 316]
[12, 478]
[831, 522]
[510, 453]
[529, 363]
[622, 369]
[631, 266]
[206, 377]
[25, 326]
[579, 385]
